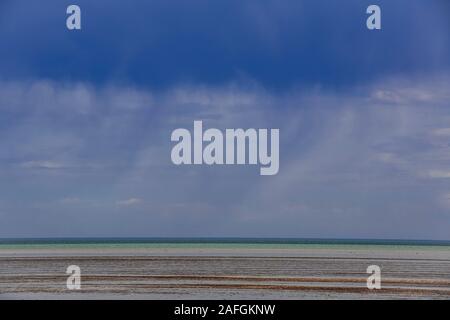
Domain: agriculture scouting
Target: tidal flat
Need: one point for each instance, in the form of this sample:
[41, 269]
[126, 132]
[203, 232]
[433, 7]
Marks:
[225, 272]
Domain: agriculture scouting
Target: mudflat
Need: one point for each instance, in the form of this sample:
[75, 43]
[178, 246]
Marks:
[327, 272]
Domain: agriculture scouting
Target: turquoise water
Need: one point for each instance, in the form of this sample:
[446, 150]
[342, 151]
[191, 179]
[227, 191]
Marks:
[245, 243]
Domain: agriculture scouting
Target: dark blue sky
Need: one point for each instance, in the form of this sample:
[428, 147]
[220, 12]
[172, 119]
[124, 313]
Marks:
[277, 44]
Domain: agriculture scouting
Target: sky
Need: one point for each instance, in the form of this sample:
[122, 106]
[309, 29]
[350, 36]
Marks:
[87, 115]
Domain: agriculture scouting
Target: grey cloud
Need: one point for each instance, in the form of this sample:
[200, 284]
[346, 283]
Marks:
[356, 164]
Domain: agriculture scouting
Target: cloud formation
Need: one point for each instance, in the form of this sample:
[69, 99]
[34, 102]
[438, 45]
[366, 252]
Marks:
[360, 163]
[129, 202]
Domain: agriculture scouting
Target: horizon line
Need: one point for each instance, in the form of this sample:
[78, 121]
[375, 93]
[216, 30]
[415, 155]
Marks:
[203, 238]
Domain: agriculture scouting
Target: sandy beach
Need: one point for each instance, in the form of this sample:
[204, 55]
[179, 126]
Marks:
[226, 273]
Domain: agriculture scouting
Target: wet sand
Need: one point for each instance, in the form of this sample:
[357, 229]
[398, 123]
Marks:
[225, 273]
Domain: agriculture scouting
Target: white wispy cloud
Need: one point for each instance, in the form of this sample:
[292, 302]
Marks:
[129, 202]
[439, 174]
[42, 164]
